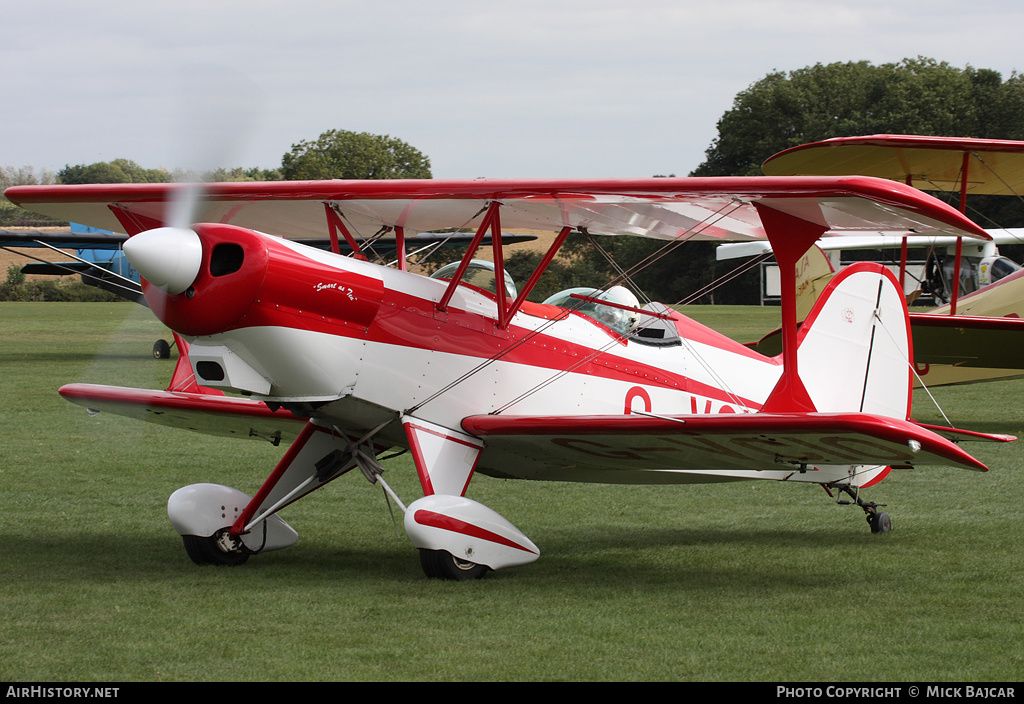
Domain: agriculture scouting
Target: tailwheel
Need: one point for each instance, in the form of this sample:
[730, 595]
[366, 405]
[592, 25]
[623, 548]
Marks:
[218, 549]
[441, 564]
[879, 521]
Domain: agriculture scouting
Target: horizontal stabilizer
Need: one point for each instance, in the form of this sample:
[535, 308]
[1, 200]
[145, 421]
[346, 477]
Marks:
[210, 414]
[756, 441]
[957, 435]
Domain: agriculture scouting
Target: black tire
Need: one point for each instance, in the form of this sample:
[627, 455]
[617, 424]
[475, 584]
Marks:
[880, 523]
[205, 551]
[440, 564]
[161, 350]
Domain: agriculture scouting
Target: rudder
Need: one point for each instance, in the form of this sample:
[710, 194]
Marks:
[855, 346]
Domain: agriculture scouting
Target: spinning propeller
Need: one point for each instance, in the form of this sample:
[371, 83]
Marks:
[214, 108]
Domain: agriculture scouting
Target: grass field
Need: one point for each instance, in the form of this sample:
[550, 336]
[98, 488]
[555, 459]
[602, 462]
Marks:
[743, 582]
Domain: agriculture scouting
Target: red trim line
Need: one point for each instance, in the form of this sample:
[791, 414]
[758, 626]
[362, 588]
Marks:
[881, 475]
[420, 462]
[432, 519]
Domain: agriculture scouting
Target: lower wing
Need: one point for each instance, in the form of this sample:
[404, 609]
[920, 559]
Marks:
[211, 414]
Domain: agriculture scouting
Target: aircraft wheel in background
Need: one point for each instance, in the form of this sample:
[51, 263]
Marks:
[161, 350]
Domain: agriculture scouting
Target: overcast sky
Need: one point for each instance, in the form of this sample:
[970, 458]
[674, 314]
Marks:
[595, 88]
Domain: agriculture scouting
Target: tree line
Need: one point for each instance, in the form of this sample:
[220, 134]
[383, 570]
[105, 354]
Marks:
[334, 154]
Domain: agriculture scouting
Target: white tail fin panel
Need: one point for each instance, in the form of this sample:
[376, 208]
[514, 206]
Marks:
[855, 346]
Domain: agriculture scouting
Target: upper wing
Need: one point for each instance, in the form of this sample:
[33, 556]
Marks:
[719, 209]
[530, 446]
[928, 163]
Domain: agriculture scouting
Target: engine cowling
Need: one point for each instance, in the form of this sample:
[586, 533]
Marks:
[265, 316]
[231, 270]
[228, 276]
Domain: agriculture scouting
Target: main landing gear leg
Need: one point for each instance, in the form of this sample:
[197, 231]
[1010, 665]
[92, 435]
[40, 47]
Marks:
[458, 538]
[878, 520]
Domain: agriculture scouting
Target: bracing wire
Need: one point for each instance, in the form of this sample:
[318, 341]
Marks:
[131, 287]
[913, 370]
[423, 260]
[623, 276]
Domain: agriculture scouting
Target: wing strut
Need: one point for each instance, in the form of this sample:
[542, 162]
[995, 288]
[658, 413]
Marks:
[538, 272]
[133, 223]
[790, 237]
[490, 221]
[403, 265]
[336, 225]
[959, 240]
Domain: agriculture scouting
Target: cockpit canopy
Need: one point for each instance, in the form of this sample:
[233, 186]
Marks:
[975, 273]
[480, 274]
[619, 320]
[994, 268]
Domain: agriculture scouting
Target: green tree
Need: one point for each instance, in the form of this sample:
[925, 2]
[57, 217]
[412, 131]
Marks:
[242, 174]
[10, 214]
[127, 171]
[915, 96]
[116, 171]
[351, 155]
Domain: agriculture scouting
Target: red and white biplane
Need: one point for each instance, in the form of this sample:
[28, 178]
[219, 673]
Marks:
[342, 358]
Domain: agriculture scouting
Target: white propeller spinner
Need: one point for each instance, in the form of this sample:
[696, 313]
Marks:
[167, 257]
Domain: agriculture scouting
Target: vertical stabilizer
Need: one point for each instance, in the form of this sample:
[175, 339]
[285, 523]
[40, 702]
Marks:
[855, 345]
